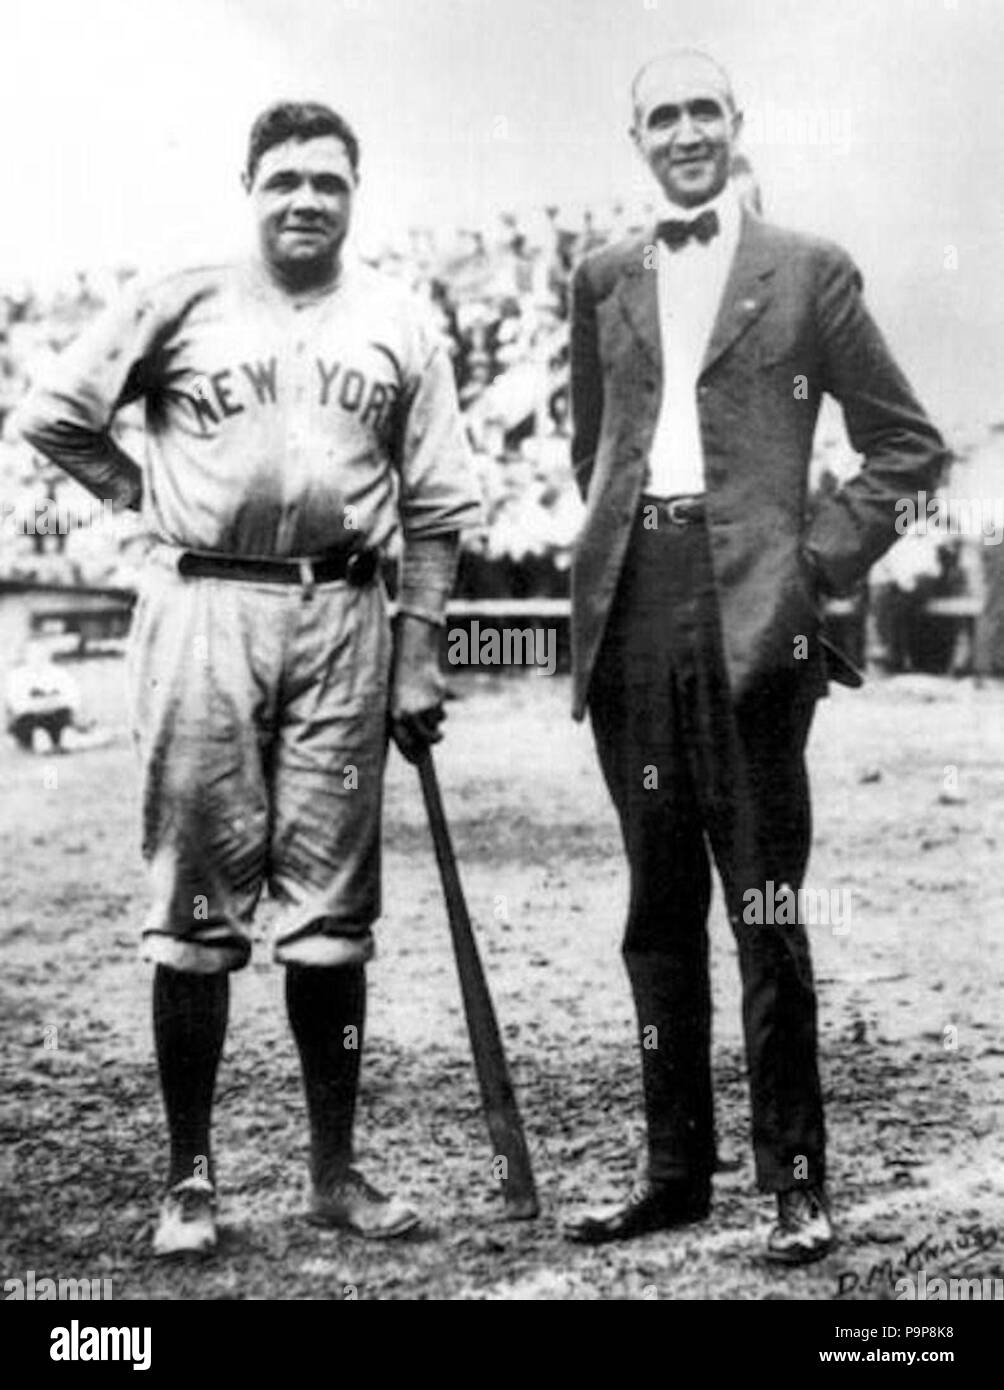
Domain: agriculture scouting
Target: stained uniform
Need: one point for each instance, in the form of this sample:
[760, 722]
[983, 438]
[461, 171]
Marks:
[277, 426]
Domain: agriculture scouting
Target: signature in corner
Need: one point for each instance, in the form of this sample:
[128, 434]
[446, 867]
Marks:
[932, 1249]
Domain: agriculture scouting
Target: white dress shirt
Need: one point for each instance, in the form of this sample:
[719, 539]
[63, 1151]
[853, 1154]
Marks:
[690, 285]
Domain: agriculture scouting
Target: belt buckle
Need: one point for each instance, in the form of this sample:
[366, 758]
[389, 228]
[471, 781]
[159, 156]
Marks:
[306, 579]
[676, 510]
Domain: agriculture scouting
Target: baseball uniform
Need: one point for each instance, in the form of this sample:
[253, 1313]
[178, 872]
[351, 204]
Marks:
[278, 426]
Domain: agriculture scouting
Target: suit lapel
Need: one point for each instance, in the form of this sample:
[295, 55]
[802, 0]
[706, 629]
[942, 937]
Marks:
[639, 296]
[746, 293]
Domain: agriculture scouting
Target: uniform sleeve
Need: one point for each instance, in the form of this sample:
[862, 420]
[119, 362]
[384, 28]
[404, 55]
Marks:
[68, 413]
[428, 576]
[902, 451]
[439, 491]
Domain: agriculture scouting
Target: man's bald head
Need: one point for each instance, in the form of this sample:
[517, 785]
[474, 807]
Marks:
[680, 72]
[686, 124]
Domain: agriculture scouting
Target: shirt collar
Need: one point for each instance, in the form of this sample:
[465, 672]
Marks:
[725, 204]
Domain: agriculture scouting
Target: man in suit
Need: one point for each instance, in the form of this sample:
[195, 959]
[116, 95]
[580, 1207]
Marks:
[700, 354]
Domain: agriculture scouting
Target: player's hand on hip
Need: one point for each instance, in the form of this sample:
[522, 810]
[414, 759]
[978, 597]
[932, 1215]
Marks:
[417, 686]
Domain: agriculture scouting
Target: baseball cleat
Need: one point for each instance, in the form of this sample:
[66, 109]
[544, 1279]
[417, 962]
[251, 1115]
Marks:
[803, 1231]
[187, 1224]
[354, 1205]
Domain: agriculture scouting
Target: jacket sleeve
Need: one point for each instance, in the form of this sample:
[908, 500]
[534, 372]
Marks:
[902, 451]
[586, 379]
[68, 413]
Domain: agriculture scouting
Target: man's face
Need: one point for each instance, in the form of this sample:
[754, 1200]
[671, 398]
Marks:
[302, 194]
[685, 129]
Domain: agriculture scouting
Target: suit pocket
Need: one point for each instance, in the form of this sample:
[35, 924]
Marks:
[773, 354]
[777, 340]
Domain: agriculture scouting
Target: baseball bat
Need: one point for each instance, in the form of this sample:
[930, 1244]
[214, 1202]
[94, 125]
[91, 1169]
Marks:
[505, 1127]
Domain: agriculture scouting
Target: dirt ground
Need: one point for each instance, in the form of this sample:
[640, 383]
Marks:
[913, 1110]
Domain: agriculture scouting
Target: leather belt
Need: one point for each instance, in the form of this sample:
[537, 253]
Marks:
[680, 511]
[357, 566]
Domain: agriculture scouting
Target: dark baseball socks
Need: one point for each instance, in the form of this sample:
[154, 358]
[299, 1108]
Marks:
[189, 1024]
[327, 1011]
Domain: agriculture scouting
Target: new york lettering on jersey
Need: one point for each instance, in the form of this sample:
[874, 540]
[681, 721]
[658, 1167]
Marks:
[321, 354]
[220, 394]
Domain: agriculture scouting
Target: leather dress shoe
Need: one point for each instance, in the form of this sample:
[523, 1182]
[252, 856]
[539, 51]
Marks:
[803, 1231]
[650, 1206]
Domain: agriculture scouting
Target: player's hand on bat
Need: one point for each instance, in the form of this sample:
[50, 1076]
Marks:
[417, 686]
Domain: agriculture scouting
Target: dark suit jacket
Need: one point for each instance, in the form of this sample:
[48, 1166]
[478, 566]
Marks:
[791, 309]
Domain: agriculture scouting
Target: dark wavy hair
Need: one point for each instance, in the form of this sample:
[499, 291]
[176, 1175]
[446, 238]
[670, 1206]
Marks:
[298, 120]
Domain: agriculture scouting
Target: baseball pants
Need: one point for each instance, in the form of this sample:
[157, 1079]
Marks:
[259, 713]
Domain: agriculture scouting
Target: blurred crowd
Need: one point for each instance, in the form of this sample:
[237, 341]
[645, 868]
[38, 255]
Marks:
[37, 499]
[501, 298]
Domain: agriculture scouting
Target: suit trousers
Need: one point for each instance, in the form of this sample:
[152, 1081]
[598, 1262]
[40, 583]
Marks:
[691, 772]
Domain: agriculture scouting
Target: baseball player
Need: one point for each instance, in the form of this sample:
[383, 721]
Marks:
[300, 414]
[40, 696]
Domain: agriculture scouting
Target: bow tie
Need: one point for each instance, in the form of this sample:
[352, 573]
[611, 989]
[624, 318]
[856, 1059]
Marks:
[676, 233]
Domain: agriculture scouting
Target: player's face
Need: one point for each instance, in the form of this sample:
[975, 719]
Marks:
[685, 130]
[302, 193]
